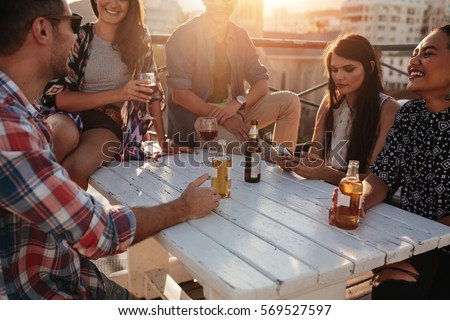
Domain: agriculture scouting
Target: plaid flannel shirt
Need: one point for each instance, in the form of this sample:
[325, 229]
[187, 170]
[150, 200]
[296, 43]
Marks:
[49, 227]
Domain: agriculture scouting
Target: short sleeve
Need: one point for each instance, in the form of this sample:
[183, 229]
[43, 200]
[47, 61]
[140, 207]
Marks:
[391, 158]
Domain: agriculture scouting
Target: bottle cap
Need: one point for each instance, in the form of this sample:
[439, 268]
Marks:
[254, 122]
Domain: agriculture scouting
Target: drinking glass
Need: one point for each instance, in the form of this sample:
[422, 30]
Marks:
[148, 76]
[208, 128]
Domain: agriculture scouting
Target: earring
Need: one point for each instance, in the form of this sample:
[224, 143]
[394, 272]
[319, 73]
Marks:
[448, 96]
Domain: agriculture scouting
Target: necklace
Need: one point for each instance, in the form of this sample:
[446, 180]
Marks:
[349, 106]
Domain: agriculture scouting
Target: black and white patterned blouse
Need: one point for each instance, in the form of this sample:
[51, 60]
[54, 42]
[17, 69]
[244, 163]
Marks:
[416, 157]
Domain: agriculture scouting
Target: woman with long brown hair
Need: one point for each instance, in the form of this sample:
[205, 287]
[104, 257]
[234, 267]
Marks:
[95, 112]
[353, 118]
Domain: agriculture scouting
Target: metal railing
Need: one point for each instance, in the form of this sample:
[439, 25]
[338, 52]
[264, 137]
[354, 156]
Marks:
[305, 44]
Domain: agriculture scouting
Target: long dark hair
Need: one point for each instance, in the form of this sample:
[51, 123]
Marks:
[132, 39]
[365, 121]
[446, 29]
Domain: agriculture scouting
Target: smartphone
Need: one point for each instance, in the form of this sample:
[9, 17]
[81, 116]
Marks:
[282, 151]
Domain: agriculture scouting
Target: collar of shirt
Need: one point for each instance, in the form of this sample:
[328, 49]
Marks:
[10, 91]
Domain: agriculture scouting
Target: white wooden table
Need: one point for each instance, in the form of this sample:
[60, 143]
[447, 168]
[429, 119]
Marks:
[270, 240]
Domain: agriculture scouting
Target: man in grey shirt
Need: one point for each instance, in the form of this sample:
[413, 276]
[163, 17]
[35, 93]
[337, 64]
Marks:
[209, 58]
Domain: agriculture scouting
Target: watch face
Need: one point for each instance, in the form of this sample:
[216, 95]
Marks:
[241, 100]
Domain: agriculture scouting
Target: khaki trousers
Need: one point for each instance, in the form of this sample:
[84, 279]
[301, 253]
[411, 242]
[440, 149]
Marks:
[281, 107]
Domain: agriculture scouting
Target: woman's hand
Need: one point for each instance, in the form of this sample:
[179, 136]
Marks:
[308, 165]
[332, 211]
[137, 90]
[287, 162]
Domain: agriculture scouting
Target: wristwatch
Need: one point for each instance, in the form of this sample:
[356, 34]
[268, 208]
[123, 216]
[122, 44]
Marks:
[242, 101]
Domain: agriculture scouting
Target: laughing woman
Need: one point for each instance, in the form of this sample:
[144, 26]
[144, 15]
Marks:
[416, 156]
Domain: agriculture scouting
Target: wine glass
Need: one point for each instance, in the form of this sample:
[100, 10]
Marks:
[208, 132]
[148, 76]
[208, 128]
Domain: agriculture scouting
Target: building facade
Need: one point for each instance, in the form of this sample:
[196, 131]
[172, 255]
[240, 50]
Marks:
[385, 21]
[163, 16]
[393, 22]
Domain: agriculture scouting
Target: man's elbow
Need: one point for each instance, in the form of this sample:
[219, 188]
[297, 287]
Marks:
[177, 95]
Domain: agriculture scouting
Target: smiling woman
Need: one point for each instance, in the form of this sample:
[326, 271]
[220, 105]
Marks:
[419, 138]
[84, 110]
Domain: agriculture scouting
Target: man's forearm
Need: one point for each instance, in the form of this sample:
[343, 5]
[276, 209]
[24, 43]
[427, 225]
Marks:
[151, 220]
[190, 101]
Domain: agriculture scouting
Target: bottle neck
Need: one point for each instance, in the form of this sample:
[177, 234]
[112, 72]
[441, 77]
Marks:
[352, 172]
[253, 134]
[222, 148]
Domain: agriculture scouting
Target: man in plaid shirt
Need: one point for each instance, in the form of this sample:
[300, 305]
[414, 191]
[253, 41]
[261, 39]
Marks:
[49, 227]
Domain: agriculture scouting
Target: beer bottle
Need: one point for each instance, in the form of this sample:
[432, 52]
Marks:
[221, 163]
[252, 171]
[348, 205]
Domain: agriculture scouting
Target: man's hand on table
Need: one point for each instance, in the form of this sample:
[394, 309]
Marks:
[199, 201]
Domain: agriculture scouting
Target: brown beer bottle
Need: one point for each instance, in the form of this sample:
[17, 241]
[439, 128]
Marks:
[253, 152]
[221, 180]
[348, 205]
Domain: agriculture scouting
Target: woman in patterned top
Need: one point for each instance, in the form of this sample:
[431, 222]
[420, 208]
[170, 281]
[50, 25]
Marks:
[416, 157]
[95, 111]
[353, 118]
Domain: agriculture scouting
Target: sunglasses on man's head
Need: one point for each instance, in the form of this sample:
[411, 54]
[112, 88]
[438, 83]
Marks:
[75, 22]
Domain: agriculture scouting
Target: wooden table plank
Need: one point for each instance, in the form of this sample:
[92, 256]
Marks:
[372, 225]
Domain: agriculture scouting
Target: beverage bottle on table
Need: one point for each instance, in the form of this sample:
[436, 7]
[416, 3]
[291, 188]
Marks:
[253, 153]
[348, 205]
[221, 164]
